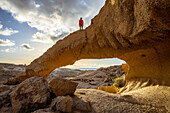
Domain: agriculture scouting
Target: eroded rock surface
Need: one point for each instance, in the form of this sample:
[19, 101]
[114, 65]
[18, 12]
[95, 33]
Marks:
[64, 104]
[43, 111]
[135, 31]
[80, 105]
[145, 100]
[30, 95]
[5, 98]
[61, 87]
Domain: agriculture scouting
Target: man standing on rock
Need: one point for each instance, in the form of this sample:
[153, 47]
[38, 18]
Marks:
[81, 23]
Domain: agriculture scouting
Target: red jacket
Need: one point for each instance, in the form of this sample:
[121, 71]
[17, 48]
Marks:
[80, 22]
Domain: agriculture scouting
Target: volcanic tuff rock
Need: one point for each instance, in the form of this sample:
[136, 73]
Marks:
[30, 95]
[151, 99]
[64, 104]
[43, 111]
[5, 98]
[61, 87]
[136, 31]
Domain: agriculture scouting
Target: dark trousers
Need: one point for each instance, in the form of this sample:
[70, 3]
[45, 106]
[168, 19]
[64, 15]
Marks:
[81, 27]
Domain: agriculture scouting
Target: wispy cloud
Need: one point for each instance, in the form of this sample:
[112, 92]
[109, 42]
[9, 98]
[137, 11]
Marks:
[7, 31]
[27, 47]
[52, 17]
[41, 37]
[47, 38]
[8, 50]
[6, 42]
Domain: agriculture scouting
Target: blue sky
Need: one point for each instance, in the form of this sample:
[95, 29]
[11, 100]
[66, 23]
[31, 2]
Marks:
[29, 27]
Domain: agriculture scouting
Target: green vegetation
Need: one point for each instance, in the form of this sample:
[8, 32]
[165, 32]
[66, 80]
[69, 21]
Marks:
[116, 84]
[119, 82]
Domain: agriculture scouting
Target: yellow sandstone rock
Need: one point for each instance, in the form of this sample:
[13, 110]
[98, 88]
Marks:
[109, 89]
[125, 68]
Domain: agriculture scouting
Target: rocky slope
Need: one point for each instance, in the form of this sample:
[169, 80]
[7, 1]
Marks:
[99, 77]
[65, 73]
[10, 70]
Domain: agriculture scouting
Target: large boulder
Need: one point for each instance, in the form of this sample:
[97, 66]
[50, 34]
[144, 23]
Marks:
[30, 95]
[61, 87]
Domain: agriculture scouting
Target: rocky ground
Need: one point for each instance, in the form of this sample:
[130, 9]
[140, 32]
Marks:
[86, 78]
[99, 77]
[75, 92]
[37, 93]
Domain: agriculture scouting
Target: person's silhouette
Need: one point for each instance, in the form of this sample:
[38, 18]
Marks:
[81, 23]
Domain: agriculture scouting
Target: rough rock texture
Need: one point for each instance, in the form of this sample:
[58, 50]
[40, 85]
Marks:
[80, 105]
[30, 95]
[43, 111]
[5, 98]
[152, 99]
[136, 31]
[64, 104]
[61, 87]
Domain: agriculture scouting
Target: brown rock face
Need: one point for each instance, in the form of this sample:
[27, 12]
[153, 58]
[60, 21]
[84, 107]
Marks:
[30, 95]
[64, 104]
[61, 87]
[135, 31]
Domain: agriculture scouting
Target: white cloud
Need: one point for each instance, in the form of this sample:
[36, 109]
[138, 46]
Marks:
[41, 37]
[7, 31]
[9, 50]
[52, 16]
[6, 43]
[1, 26]
[27, 47]
[47, 38]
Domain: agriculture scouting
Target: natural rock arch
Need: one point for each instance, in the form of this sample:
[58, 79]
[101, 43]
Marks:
[132, 30]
